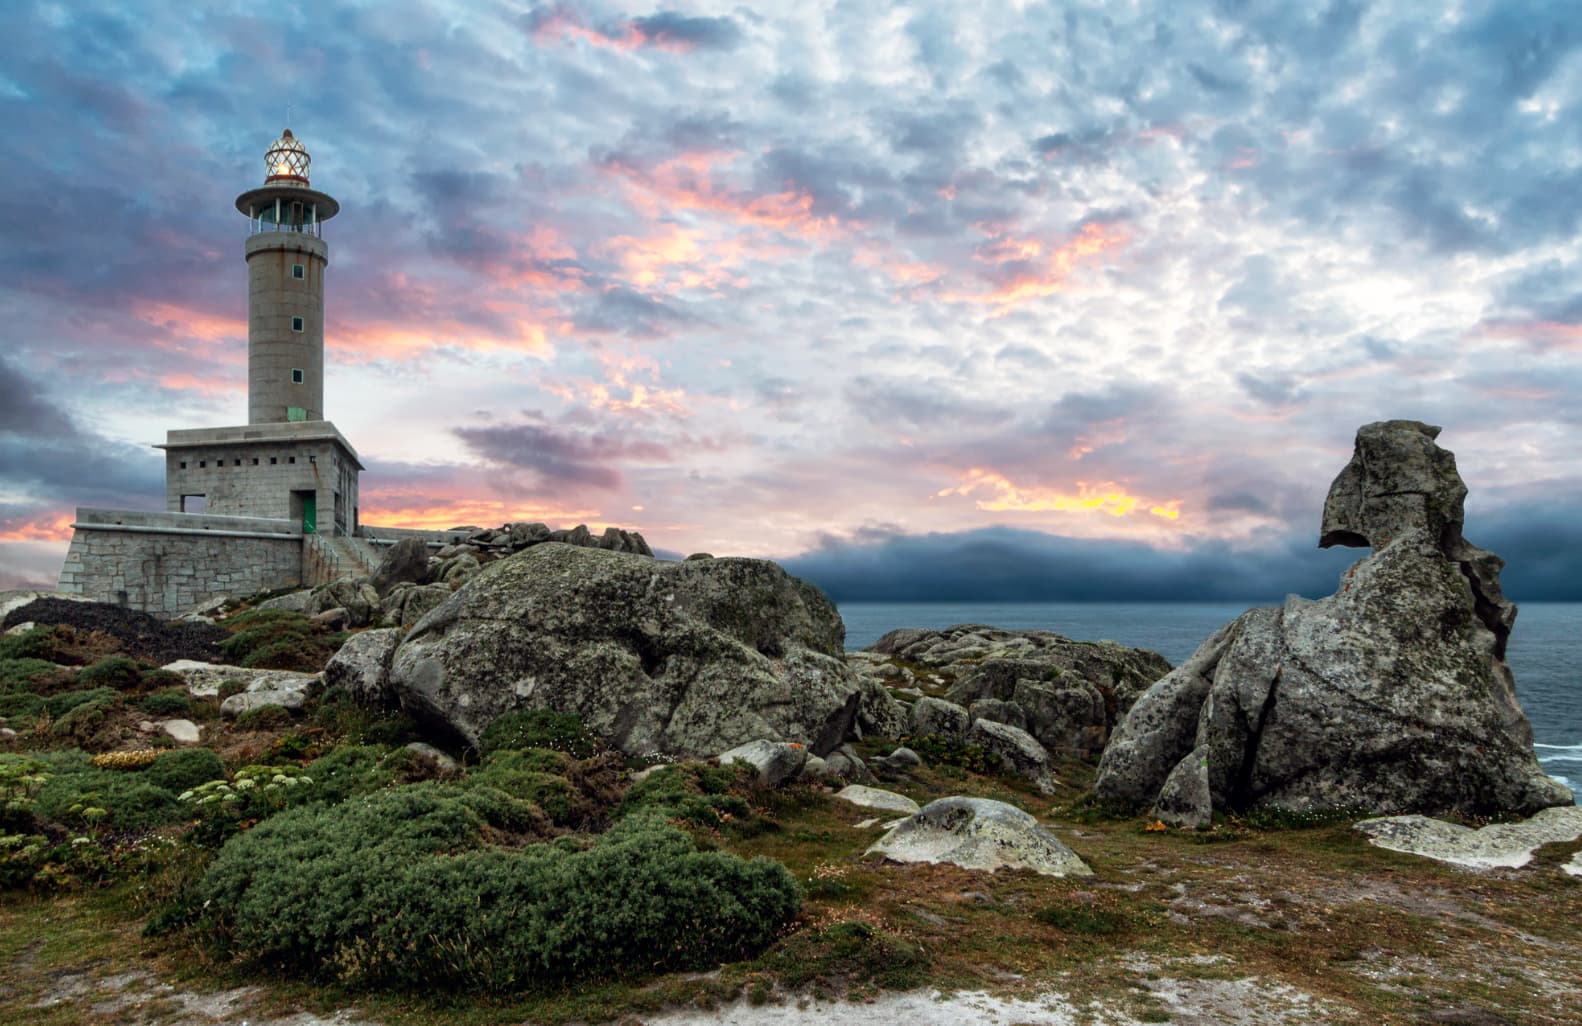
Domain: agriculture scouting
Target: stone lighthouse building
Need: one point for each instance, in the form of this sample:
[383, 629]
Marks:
[268, 504]
[289, 462]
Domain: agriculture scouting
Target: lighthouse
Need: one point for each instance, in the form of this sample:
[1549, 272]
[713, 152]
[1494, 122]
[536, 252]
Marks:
[286, 260]
[289, 462]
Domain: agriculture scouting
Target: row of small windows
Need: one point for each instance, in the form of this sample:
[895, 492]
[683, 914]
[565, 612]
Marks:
[203, 464]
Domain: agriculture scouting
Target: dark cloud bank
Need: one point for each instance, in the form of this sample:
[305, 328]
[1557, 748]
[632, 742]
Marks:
[1542, 550]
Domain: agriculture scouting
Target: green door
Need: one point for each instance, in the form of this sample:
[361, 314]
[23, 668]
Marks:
[310, 513]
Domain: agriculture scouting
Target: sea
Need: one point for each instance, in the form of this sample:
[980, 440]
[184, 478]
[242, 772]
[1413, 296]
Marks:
[1545, 651]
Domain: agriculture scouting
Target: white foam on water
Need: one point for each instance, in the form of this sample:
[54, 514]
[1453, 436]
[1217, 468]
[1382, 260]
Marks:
[1573, 749]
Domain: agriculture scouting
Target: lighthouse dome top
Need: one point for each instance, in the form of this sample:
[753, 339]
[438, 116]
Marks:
[287, 160]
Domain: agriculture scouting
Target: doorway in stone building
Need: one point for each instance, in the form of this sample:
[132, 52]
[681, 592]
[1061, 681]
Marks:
[304, 509]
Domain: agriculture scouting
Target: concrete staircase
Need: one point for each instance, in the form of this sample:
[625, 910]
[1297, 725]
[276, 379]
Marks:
[329, 557]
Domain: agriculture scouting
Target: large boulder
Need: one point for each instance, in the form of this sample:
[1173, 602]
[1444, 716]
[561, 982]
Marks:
[982, 834]
[1067, 694]
[1391, 695]
[405, 563]
[683, 659]
[353, 594]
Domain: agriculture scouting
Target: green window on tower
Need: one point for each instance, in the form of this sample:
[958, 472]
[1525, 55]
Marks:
[296, 375]
[298, 271]
[296, 324]
[296, 413]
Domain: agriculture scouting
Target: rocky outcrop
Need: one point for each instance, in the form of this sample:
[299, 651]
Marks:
[1392, 695]
[1067, 694]
[684, 659]
[978, 833]
[775, 762]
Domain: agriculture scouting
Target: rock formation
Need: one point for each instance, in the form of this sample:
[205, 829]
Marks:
[1066, 694]
[688, 658]
[1391, 695]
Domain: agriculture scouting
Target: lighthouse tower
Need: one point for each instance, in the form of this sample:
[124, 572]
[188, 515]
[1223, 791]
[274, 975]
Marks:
[288, 462]
[286, 259]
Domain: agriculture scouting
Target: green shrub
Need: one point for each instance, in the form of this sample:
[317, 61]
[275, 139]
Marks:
[265, 717]
[114, 671]
[37, 643]
[80, 720]
[277, 639]
[23, 677]
[184, 768]
[694, 793]
[1082, 918]
[350, 770]
[397, 888]
[229, 687]
[540, 728]
[340, 716]
[167, 702]
[164, 680]
[132, 802]
[552, 792]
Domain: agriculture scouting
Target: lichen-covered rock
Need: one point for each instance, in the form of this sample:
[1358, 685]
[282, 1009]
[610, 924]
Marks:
[937, 716]
[875, 798]
[1009, 713]
[685, 659]
[1498, 845]
[203, 680]
[1017, 750]
[353, 594]
[1072, 693]
[405, 563]
[1184, 799]
[1392, 695]
[776, 762]
[408, 603]
[978, 833]
[361, 666]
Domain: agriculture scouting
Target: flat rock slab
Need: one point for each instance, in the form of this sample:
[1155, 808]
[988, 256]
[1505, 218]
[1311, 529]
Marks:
[1496, 846]
[876, 798]
[182, 731]
[978, 833]
[204, 679]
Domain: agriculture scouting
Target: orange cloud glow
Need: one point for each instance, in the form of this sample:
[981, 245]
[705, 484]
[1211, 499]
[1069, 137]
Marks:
[47, 527]
[690, 182]
[424, 513]
[179, 322]
[1050, 270]
[1105, 497]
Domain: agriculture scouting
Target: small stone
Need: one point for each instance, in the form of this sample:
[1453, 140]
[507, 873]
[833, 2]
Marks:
[332, 618]
[904, 757]
[814, 769]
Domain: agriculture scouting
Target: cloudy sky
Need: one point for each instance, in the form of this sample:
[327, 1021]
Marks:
[1044, 299]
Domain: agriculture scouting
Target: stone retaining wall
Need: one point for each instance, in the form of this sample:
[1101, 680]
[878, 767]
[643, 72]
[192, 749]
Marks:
[166, 563]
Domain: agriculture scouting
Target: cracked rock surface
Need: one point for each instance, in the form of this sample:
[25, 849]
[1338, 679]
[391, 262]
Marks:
[1391, 695]
[681, 659]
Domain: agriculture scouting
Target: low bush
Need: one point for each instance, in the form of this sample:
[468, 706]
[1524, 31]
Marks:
[695, 793]
[37, 643]
[850, 953]
[24, 682]
[184, 768]
[131, 800]
[115, 671]
[166, 702]
[265, 717]
[396, 888]
[347, 771]
[540, 728]
[277, 639]
[341, 716]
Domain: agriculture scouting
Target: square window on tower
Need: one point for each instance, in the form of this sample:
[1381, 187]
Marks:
[296, 324]
[296, 375]
[298, 271]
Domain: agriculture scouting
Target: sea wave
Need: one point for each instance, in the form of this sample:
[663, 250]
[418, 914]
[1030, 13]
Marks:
[1568, 749]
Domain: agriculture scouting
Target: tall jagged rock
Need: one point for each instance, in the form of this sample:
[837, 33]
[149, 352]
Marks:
[1391, 695]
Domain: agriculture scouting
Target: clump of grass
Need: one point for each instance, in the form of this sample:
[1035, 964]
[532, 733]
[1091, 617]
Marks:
[540, 728]
[847, 955]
